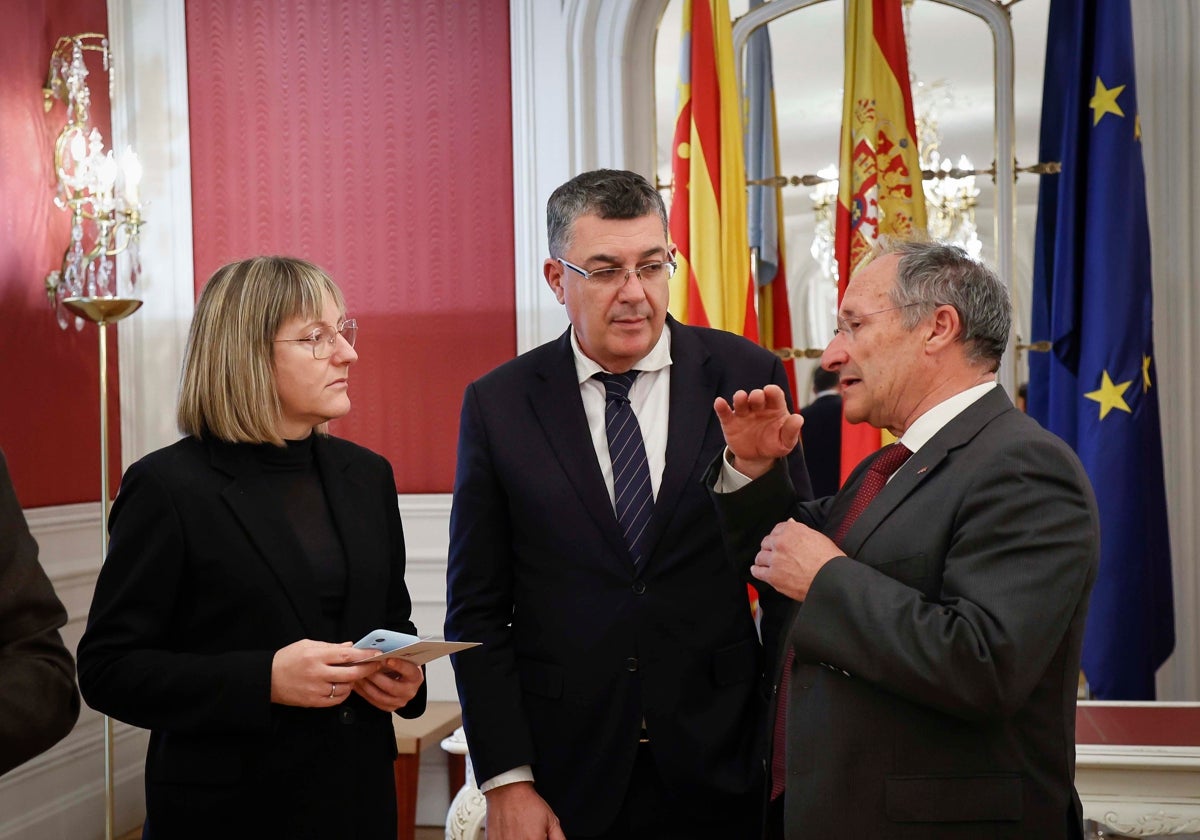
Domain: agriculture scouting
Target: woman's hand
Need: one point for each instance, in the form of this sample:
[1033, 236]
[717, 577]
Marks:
[392, 686]
[314, 674]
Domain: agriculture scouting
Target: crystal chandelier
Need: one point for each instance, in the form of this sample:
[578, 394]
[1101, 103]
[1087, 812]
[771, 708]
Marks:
[100, 193]
[950, 191]
[824, 198]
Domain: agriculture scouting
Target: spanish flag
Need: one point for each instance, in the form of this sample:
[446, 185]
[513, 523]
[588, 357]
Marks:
[879, 177]
[712, 287]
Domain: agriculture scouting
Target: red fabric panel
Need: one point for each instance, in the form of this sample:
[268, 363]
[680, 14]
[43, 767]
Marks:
[50, 403]
[374, 139]
[1134, 725]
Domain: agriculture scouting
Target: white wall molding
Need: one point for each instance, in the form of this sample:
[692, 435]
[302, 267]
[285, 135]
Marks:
[61, 793]
[150, 113]
[541, 158]
[582, 98]
[426, 519]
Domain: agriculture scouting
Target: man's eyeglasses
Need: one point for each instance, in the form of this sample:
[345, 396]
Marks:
[322, 339]
[651, 272]
[849, 326]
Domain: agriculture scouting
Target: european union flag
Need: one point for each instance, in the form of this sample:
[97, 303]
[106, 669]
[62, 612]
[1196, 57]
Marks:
[1097, 388]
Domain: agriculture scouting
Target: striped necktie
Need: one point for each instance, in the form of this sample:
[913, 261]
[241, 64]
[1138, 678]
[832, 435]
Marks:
[631, 472]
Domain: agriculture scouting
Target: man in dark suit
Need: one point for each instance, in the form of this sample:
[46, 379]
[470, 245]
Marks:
[821, 436]
[618, 672]
[38, 700]
[934, 652]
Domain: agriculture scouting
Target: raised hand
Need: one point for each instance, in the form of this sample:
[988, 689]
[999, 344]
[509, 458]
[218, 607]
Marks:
[758, 428]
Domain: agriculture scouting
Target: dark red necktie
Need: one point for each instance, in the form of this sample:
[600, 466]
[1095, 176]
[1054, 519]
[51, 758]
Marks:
[887, 462]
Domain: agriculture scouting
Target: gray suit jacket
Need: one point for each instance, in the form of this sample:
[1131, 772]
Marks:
[933, 692]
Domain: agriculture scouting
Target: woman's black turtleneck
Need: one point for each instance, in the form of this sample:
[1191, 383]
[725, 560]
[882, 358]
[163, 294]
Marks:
[291, 473]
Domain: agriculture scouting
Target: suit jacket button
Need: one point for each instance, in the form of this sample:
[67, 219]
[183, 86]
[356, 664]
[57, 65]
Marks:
[639, 587]
[346, 715]
[631, 664]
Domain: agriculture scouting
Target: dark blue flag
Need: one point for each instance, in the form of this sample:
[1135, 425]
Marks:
[1097, 387]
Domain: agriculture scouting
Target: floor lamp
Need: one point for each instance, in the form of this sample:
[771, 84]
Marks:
[102, 198]
[103, 311]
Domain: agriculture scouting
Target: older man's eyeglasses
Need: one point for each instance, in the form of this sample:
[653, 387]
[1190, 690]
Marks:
[651, 272]
[322, 339]
[849, 326]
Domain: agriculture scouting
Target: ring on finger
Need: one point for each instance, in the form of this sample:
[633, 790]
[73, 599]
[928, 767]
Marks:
[332, 690]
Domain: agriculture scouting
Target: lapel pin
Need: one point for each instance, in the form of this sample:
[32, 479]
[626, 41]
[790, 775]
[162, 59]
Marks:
[922, 470]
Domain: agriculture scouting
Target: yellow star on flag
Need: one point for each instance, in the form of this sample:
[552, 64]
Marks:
[1110, 396]
[1137, 128]
[1104, 101]
[1145, 374]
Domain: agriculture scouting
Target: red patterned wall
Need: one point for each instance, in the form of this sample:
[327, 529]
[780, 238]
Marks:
[49, 379]
[373, 138]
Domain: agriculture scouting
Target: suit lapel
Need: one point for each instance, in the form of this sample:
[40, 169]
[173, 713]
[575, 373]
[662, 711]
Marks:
[350, 505]
[268, 529]
[559, 409]
[693, 389]
[555, 401]
[925, 463]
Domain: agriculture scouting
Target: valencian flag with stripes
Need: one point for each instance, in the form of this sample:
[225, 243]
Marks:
[708, 200]
[1097, 388]
[713, 286]
[879, 174]
[765, 203]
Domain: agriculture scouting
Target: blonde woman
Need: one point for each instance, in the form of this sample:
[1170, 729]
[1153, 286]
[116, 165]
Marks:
[243, 561]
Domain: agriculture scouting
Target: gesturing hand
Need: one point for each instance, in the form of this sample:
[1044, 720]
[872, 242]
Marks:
[758, 428]
[790, 557]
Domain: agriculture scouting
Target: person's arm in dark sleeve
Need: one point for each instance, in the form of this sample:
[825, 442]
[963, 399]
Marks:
[39, 702]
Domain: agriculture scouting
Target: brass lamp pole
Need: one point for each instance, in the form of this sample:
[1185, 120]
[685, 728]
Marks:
[102, 312]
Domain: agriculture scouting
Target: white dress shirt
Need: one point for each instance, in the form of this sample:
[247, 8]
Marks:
[650, 398]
